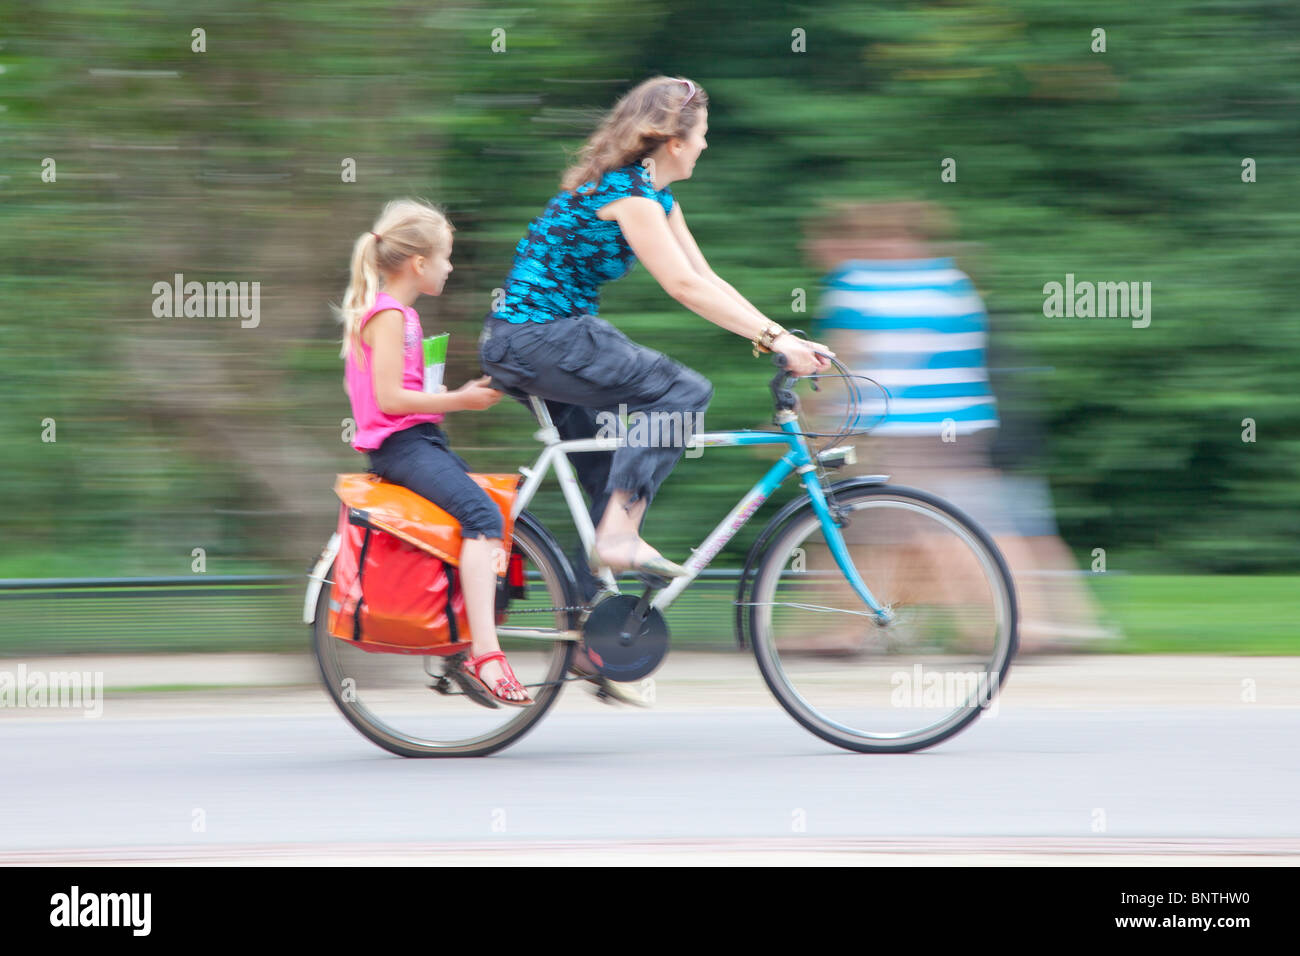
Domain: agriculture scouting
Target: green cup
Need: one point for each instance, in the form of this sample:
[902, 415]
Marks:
[435, 360]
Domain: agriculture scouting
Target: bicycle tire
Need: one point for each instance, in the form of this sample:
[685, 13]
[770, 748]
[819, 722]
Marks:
[805, 523]
[538, 547]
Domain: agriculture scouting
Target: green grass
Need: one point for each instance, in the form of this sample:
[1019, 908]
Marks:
[1156, 614]
[222, 618]
[1199, 614]
[1203, 614]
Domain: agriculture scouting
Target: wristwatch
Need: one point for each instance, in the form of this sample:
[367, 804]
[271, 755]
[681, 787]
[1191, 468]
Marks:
[765, 339]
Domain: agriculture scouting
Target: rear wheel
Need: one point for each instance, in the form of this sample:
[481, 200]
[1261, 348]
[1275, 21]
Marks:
[403, 703]
[900, 686]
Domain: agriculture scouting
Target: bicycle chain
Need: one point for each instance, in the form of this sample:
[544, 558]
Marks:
[545, 610]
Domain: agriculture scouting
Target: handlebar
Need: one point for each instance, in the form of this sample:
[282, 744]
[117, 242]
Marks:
[780, 361]
[783, 396]
[782, 393]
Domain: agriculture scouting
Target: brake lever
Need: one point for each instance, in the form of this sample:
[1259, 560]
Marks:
[812, 378]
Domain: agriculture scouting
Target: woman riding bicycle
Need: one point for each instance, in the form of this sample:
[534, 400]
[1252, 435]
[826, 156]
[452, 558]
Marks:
[545, 339]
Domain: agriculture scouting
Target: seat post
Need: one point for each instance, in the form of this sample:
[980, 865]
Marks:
[548, 433]
[541, 411]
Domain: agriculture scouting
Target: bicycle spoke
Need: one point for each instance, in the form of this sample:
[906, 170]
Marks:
[868, 684]
[807, 607]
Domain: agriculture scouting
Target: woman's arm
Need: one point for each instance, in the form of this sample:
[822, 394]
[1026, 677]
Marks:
[728, 288]
[677, 224]
[645, 227]
[386, 353]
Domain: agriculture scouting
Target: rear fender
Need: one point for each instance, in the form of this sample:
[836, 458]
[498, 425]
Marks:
[316, 577]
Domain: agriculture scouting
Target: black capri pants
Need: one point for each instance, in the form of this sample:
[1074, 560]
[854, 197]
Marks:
[582, 366]
[419, 458]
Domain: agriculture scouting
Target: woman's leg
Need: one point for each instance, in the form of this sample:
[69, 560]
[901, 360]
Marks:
[424, 463]
[590, 363]
[587, 362]
[618, 536]
[669, 401]
[592, 467]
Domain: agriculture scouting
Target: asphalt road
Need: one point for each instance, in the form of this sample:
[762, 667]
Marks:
[714, 773]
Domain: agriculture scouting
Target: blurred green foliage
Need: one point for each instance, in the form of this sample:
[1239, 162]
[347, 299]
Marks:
[174, 434]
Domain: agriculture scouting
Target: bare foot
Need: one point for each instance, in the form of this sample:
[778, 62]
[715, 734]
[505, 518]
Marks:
[622, 551]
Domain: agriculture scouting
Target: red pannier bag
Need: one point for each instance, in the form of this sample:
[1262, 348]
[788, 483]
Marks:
[395, 573]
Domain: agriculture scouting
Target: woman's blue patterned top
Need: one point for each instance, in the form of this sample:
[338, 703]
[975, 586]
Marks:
[567, 253]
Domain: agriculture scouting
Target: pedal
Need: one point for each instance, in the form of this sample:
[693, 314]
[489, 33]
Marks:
[608, 692]
[471, 689]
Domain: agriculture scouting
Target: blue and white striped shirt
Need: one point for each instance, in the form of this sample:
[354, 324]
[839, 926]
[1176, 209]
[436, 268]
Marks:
[921, 332]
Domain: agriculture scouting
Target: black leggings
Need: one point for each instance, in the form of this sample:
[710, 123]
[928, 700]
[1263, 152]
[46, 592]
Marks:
[419, 458]
[583, 366]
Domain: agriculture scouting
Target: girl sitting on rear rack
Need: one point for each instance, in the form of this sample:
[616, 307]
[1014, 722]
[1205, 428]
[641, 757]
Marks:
[406, 254]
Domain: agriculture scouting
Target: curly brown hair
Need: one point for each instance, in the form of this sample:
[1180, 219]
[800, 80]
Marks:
[651, 113]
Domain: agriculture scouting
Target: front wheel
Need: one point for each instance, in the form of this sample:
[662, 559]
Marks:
[402, 702]
[893, 687]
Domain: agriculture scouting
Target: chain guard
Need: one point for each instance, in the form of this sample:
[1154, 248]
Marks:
[618, 658]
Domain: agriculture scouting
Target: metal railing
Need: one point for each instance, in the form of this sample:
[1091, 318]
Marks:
[244, 612]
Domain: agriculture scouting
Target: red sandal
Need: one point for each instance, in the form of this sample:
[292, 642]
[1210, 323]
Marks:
[505, 685]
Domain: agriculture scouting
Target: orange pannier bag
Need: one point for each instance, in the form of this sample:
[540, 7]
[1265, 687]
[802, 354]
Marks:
[395, 572]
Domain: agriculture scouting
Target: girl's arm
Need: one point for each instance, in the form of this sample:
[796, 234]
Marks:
[392, 398]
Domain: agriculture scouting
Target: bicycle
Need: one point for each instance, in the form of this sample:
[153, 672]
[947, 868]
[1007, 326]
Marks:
[940, 598]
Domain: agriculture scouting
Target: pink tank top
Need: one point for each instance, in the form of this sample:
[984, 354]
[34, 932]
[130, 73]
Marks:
[374, 425]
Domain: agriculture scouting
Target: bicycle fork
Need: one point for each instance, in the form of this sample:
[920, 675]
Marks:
[830, 522]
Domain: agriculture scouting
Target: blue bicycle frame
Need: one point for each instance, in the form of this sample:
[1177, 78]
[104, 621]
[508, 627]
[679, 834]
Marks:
[797, 460]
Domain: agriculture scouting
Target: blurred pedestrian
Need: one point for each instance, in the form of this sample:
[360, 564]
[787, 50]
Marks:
[911, 320]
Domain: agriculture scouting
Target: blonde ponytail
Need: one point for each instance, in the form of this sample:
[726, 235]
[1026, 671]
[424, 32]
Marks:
[362, 290]
[406, 228]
